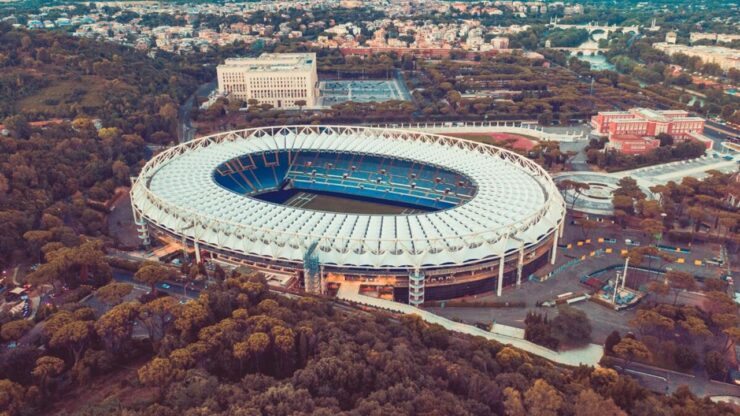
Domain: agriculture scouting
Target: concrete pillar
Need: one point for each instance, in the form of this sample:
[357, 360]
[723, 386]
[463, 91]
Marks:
[142, 230]
[322, 285]
[416, 288]
[520, 266]
[554, 248]
[624, 274]
[500, 283]
[197, 252]
[184, 243]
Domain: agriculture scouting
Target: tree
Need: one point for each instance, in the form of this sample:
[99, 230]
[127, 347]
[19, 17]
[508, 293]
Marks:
[75, 336]
[719, 303]
[576, 187]
[257, 344]
[168, 112]
[14, 330]
[714, 284]
[114, 292]
[151, 273]
[11, 397]
[47, 367]
[284, 342]
[157, 373]
[190, 317]
[650, 208]
[696, 327]
[652, 227]
[590, 403]
[542, 399]
[679, 281]
[587, 225]
[611, 340]
[658, 288]
[155, 315]
[650, 322]
[241, 352]
[539, 330]
[121, 172]
[74, 265]
[697, 214]
[715, 365]
[630, 349]
[109, 134]
[637, 255]
[571, 326]
[513, 403]
[665, 139]
[685, 357]
[36, 239]
[624, 203]
[18, 126]
[116, 326]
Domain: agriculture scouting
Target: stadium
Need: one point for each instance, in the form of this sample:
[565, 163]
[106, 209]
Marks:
[430, 216]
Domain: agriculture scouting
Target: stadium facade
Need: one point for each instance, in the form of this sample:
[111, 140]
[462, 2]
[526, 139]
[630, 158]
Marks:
[479, 218]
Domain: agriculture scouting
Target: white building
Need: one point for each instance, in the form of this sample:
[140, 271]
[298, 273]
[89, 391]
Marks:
[500, 42]
[671, 38]
[714, 37]
[279, 79]
[726, 58]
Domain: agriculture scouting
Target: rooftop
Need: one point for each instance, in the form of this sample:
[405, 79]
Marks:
[515, 198]
[274, 62]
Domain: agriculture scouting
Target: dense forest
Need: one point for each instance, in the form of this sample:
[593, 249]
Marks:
[57, 162]
[46, 75]
[239, 350]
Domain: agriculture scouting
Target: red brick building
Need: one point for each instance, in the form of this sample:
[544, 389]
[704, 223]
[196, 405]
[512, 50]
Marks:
[634, 131]
[631, 144]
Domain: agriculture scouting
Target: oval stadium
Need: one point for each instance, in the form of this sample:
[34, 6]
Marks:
[433, 217]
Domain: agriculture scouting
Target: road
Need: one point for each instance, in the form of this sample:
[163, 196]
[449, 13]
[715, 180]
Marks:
[175, 289]
[185, 130]
[666, 381]
[719, 131]
[579, 161]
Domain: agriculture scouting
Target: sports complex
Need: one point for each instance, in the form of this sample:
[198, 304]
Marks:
[432, 217]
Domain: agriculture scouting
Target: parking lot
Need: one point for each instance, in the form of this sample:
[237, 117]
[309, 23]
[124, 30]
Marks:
[568, 279]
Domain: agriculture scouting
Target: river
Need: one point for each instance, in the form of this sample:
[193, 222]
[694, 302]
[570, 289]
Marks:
[598, 62]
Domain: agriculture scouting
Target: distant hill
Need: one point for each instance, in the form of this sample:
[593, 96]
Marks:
[49, 74]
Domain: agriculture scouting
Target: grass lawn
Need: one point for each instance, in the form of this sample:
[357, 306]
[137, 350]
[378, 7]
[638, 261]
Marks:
[333, 203]
[505, 140]
[88, 91]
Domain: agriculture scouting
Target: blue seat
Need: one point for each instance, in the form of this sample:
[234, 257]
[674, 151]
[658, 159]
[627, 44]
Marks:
[368, 176]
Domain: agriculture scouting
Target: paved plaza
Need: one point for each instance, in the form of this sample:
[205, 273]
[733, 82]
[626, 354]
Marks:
[361, 91]
[597, 200]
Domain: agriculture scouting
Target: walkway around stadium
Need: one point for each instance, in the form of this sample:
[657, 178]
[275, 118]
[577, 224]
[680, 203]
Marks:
[602, 184]
[508, 335]
[523, 128]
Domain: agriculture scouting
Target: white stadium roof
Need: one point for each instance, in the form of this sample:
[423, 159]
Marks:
[516, 202]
